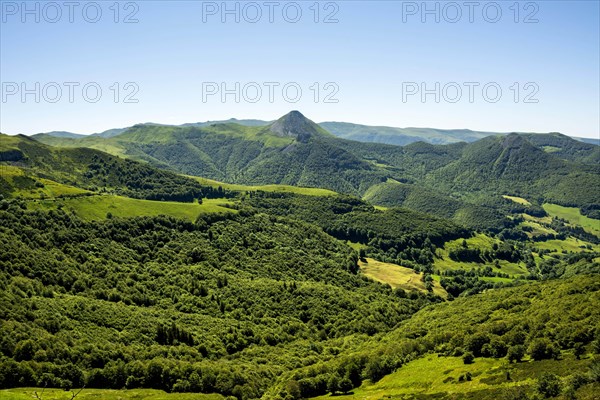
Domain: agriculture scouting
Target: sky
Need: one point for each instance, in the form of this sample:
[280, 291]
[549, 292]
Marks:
[500, 66]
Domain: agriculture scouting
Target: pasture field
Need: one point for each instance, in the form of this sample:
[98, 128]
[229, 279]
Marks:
[98, 207]
[102, 394]
[518, 200]
[480, 241]
[433, 377]
[573, 216]
[265, 188]
[397, 276]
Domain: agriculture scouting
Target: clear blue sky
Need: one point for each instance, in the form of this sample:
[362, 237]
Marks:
[373, 55]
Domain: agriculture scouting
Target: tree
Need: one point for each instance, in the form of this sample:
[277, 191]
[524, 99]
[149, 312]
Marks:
[333, 384]
[516, 353]
[476, 342]
[542, 348]
[579, 350]
[376, 368]
[292, 388]
[594, 370]
[24, 350]
[498, 348]
[468, 358]
[549, 385]
[345, 385]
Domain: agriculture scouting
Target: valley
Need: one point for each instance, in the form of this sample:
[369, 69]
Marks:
[279, 261]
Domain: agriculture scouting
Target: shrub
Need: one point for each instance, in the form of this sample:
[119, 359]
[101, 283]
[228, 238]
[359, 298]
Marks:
[549, 385]
[516, 353]
[468, 358]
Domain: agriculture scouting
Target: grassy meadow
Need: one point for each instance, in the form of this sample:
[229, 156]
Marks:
[433, 377]
[480, 241]
[102, 394]
[397, 276]
[98, 207]
[266, 188]
[573, 216]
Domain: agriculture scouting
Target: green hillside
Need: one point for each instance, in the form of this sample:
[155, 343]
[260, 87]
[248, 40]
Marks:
[505, 331]
[247, 304]
[99, 207]
[30, 166]
[461, 181]
[151, 301]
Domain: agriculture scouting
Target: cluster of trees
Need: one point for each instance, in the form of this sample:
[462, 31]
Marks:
[467, 282]
[504, 251]
[591, 210]
[394, 235]
[137, 180]
[565, 229]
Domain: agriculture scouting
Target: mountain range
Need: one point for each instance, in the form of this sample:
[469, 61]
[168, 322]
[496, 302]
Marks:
[465, 179]
[351, 131]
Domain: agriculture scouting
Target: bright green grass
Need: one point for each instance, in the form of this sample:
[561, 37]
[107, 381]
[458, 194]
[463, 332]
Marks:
[481, 241]
[8, 142]
[540, 220]
[512, 269]
[518, 200]
[103, 394]
[50, 189]
[8, 171]
[55, 189]
[537, 229]
[551, 149]
[569, 244]
[433, 377]
[356, 246]
[495, 279]
[256, 133]
[573, 215]
[266, 188]
[97, 207]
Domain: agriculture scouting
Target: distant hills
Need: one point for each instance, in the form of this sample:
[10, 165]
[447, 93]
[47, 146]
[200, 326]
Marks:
[350, 131]
[461, 180]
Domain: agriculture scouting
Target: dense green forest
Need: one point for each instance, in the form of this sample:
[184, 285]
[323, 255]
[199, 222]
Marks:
[229, 304]
[238, 299]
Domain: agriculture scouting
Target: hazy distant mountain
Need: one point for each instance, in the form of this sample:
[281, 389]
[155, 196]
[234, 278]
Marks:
[350, 131]
[246, 122]
[402, 136]
[62, 134]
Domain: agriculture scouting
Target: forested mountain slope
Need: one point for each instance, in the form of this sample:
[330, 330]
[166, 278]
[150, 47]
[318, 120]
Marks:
[462, 181]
